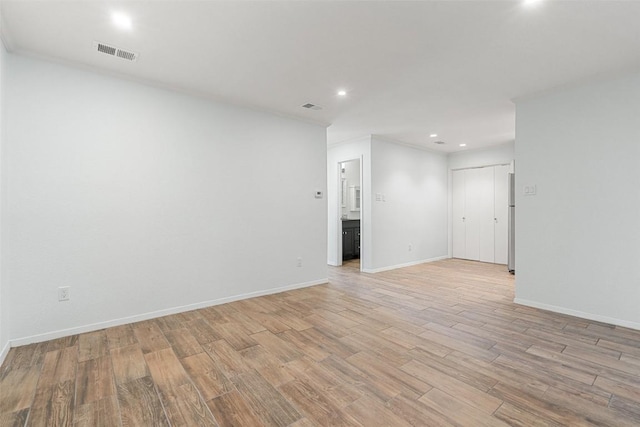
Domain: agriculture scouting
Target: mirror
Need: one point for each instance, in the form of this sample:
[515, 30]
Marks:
[350, 196]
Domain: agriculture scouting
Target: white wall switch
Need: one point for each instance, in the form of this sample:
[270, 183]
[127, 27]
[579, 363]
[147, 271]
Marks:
[530, 190]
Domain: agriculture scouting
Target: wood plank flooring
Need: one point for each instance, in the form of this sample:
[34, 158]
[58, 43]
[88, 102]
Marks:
[439, 344]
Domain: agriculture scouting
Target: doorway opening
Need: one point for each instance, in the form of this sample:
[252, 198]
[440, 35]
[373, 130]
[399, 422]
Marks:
[349, 207]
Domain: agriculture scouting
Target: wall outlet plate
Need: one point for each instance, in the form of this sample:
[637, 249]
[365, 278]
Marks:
[64, 293]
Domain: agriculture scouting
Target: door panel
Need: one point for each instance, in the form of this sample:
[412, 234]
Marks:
[485, 209]
[457, 212]
[472, 192]
[501, 213]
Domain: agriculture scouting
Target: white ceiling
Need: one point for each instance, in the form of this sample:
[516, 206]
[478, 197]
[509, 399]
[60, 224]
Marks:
[410, 68]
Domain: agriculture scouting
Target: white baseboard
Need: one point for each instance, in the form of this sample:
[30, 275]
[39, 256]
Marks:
[407, 264]
[576, 313]
[154, 314]
[4, 351]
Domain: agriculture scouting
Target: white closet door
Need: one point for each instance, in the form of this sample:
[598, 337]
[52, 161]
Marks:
[486, 203]
[501, 213]
[457, 214]
[472, 213]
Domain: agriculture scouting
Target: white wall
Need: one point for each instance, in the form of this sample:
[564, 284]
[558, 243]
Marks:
[357, 149]
[146, 201]
[412, 187]
[578, 239]
[496, 155]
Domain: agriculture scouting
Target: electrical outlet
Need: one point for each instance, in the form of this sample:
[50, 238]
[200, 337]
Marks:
[410, 247]
[64, 293]
[299, 262]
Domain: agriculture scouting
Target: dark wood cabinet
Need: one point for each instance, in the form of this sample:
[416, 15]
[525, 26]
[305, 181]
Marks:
[350, 239]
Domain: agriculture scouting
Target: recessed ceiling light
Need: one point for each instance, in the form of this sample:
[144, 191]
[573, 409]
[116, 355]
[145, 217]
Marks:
[433, 135]
[342, 92]
[463, 145]
[121, 20]
[531, 3]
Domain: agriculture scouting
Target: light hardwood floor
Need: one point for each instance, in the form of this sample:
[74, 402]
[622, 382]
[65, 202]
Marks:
[429, 345]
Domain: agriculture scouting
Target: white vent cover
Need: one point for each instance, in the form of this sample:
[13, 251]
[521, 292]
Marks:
[438, 142]
[312, 106]
[115, 51]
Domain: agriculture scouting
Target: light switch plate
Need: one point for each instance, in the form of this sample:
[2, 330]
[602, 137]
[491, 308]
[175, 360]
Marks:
[530, 190]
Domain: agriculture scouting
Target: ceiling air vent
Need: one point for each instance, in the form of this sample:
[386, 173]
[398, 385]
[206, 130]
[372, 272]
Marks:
[312, 106]
[438, 142]
[115, 51]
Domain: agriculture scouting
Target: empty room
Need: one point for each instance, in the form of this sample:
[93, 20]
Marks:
[319, 213]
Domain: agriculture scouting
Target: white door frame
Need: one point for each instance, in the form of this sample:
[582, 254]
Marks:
[339, 209]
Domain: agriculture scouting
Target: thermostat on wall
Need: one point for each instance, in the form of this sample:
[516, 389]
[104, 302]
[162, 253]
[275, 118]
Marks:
[318, 194]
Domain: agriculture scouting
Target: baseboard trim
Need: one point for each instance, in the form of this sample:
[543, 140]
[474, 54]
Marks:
[407, 264]
[4, 352]
[154, 314]
[577, 313]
